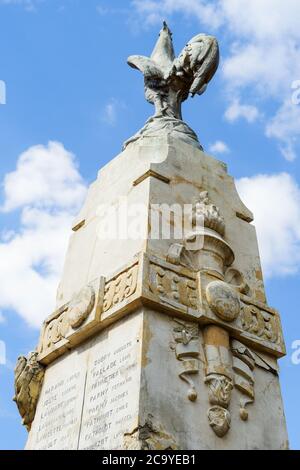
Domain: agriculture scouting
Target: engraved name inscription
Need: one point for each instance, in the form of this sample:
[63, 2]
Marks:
[57, 421]
[110, 407]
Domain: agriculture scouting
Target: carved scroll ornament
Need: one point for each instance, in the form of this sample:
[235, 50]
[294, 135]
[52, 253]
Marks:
[186, 337]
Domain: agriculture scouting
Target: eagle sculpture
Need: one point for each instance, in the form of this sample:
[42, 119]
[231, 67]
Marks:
[169, 80]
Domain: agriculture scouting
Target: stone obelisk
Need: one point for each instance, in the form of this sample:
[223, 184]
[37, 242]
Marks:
[160, 339]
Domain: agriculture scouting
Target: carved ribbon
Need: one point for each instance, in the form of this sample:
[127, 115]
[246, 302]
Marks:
[187, 352]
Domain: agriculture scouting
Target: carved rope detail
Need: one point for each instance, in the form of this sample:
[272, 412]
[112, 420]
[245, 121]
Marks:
[120, 288]
[169, 285]
[186, 337]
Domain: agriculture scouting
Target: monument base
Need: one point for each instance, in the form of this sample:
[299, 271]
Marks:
[129, 388]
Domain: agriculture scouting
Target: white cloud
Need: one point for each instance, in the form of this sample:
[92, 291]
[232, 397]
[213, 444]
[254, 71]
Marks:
[262, 19]
[266, 58]
[155, 11]
[263, 56]
[275, 202]
[219, 147]
[29, 5]
[111, 110]
[2, 353]
[285, 126]
[236, 110]
[109, 114]
[46, 176]
[32, 256]
[102, 10]
[2, 92]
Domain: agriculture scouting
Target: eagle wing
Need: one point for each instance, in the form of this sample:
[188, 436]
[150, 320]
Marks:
[145, 65]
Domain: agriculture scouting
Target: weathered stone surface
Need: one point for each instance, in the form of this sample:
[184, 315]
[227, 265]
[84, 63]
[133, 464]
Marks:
[29, 375]
[188, 171]
[90, 396]
[129, 387]
[175, 290]
[58, 416]
[223, 300]
[112, 387]
[186, 422]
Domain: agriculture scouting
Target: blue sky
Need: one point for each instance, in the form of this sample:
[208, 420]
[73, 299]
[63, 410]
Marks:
[71, 100]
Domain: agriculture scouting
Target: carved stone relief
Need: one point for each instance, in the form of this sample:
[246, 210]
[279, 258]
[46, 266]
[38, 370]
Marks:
[207, 214]
[260, 323]
[219, 420]
[186, 336]
[69, 318]
[29, 375]
[245, 361]
[55, 330]
[175, 253]
[243, 366]
[218, 378]
[220, 388]
[81, 306]
[204, 296]
[236, 279]
[72, 316]
[223, 300]
[120, 288]
[95, 297]
[172, 286]
[204, 246]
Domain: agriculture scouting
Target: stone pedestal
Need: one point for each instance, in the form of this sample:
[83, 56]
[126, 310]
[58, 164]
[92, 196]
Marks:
[161, 342]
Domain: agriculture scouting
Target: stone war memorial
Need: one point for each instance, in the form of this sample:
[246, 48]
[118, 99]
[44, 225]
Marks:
[162, 337]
